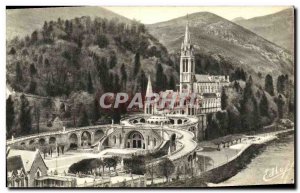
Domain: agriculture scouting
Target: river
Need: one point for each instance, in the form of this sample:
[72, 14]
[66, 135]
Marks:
[273, 165]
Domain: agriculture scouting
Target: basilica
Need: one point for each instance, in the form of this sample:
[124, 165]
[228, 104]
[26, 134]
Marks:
[206, 88]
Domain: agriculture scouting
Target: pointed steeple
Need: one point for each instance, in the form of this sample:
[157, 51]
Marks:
[187, 39]
[149, 88]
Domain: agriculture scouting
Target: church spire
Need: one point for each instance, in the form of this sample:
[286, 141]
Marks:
[187, 39]
[149, 91]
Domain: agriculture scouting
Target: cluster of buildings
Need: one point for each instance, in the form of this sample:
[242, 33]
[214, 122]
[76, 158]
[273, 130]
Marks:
[202, 95]
[28, 169]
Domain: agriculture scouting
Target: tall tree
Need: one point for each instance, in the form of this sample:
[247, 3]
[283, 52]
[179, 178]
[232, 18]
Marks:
[159, 77]
[37, 115]
[137, 64]
[113, 61]
[269, 85]
[123, 76]
[102, 41]
[90, 87]
[10, 116]
[143, 82]
[224, 99]
[166, 168]
[282, 84]
[25, 116]
[264, 106]
[32, 70]
[172, 84]
[84, 119]
[280, 104]
[19, 74]
[96, 110]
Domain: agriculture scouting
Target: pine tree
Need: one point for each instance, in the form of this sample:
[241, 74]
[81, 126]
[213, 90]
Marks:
[143, 82]
[10, 116]
[172, 84]
[269, 85]
[112, 61]
[90, 87]
[280, 104]
[264, 106]
[124, 76]
[159, 77]
[25, 116]
[117, 86]
[19, 74]
[224, 99]
[102, 41]
[137, 64]
[84, 119]
[96, 110]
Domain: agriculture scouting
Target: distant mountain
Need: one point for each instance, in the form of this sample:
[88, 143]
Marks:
[238, 19]
[220, 43]
[21, 22]
[277, 28]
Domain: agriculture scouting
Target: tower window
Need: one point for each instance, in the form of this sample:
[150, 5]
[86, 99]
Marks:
[187, 66]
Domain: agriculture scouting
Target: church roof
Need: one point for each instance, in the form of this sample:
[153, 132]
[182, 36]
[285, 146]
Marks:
[14, 164]
[210, 78]
[209, 95]
[202, 78]
[149, 92]
[27, 157]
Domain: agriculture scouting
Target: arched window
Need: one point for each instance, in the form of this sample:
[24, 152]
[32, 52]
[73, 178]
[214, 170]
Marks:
[115, 139]
[38, 174]
[187, 66]
[192, 65]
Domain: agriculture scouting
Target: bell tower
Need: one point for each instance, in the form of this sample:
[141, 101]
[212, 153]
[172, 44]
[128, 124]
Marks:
[187, 63]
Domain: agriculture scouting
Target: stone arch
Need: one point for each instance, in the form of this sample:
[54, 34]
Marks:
[98, 135]
[135, 121]
[142, 120]
[172, 121]
[86, 139]
[135, 140]
[31, 142]
[179, 121]
[22, 143]
[42, 141]
[52, 140]
[73, 139]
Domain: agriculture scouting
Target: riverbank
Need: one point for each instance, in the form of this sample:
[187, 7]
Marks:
[225, 169]
[274, 164]
[239, 162]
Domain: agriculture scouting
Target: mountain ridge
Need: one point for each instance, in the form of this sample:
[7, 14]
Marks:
[21, 22]
[214, 36]
[277, 27]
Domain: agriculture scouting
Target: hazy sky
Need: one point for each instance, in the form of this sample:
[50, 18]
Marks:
[149, 15]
